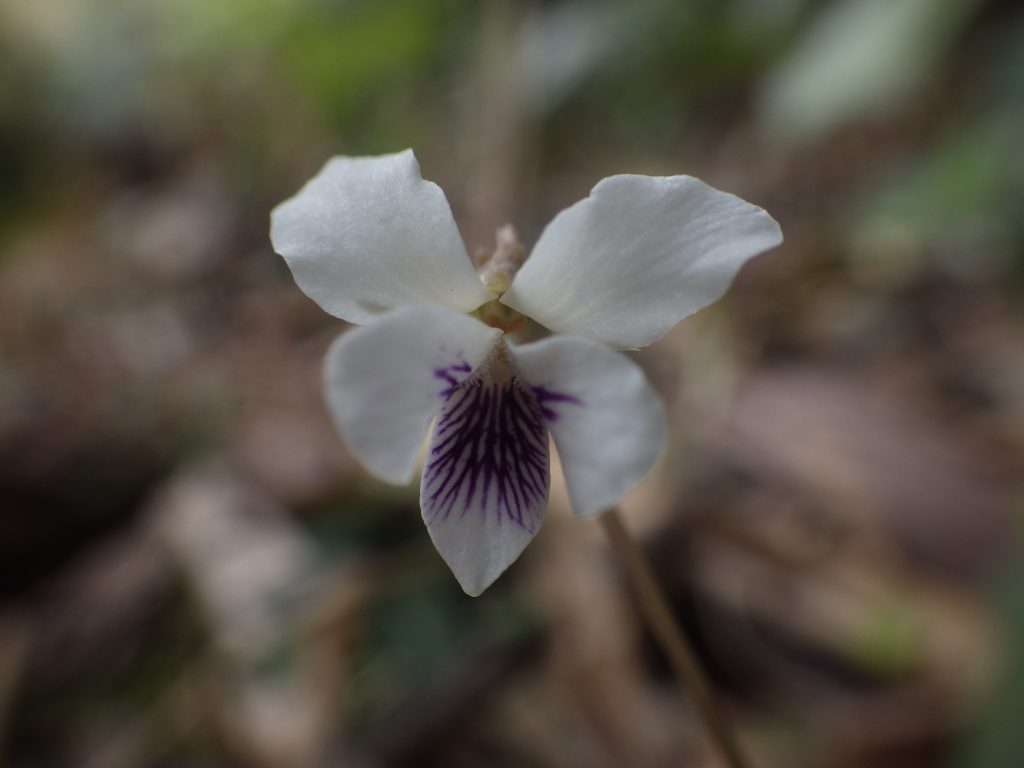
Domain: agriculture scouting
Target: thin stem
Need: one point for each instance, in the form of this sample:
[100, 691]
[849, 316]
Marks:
[655, 609]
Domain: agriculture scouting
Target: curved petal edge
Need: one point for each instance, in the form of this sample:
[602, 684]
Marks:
[607, 423]
[385, 382]
[367, 235]
[637, 256]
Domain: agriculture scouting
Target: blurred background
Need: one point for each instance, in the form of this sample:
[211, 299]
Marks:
[193, 572]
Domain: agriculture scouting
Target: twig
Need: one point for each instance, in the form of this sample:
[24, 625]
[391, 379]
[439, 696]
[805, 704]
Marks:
[655, 610]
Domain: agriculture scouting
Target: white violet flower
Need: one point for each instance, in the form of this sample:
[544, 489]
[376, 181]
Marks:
[374, 244]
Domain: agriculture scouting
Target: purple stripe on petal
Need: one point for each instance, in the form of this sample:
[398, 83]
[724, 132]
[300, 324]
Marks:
[452, 376]
[488, 454]
[547, 396]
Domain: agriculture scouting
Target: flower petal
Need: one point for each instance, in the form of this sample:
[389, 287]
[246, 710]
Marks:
[384, 382]
[485, 483]
[367, 235]
[607, 422]
[637, 256]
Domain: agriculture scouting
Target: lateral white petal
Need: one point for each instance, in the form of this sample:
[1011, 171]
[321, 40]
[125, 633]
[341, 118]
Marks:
[630, 261]
[607, 422]
[367, 235]
[485, 483]
[385, 381]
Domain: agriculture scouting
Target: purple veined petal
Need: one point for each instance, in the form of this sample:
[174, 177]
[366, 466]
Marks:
[489, 451]
[607, 424]
[552, 401]
[486, 477]
[385, 382]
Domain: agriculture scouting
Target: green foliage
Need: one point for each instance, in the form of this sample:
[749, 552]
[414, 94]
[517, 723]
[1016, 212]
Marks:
[890, 642]
[644, 73]
[964, 188]
[419, 633]
[997, 740]
[351, 56]
[859, 57]
[969, 173]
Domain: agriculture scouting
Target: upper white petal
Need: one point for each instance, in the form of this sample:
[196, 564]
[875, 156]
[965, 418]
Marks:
[630, 261]
[385, 381]
[367, 235]
[607, 423]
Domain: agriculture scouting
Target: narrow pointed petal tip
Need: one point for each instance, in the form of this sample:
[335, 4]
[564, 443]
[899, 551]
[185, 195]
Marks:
[637, 256]
[367, 235]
